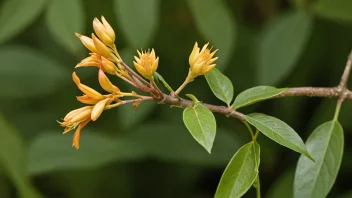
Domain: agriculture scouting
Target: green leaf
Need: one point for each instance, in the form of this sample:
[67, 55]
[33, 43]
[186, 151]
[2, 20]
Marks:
[129, 118]
[201, 123]
[138, 19]
[278, 131]
[281, 45]
[335, 10]
[220, 85]
[240, 173]
[27, 73]
[326, 146]
[64, 18]
[163, 143]
[207, 15]
[256, 94]
[282, 186]
[158, 77]
[16, 15]
[53, 151]
[13, 157]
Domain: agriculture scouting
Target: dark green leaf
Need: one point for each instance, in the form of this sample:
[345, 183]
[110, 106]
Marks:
[255, 94]
[220, 85]
[129, 118]
[281, 46]
[13, 157]
[53, 151]
[162, 141]
[282, 186]
[138, 19]
[27, 73]
[240, 173]
[325, 144]
[278, 131]
[207, 15]
[335, 10]
[16, 15]
[201, 123]
[64, 18]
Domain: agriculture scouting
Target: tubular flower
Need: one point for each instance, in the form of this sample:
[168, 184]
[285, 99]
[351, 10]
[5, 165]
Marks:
[85, 89]
[87, 42]
[147, 63]
[78, 117]
[104, 31]
[201, 61]
[106, 84]
[101, 48]
[101, 62]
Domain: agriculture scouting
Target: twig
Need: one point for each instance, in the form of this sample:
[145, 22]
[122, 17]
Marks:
[133, 73]
[339, 91]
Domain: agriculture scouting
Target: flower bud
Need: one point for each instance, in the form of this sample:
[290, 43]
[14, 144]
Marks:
[73, 113]
[105, 35]
[200, 61]
[87, 42]
[102, 49]
[106, 84]
[98, 109]
[108, 66]
[87, 100]
[147, 63]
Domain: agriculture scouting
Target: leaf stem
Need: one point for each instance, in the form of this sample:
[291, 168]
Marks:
[337, 111]
[258, 187]
[249, 129]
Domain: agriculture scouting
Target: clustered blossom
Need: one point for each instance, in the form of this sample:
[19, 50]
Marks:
[104, 55]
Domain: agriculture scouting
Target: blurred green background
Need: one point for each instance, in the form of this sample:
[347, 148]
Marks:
[150, 153]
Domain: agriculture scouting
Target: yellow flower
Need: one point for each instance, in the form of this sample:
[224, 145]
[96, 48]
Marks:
[104, 31]
[85, 89]
[106, 84]
[87, 42]
[78, 117]
[201, 61]
[147, 63]
[101, 48]
[101, 62]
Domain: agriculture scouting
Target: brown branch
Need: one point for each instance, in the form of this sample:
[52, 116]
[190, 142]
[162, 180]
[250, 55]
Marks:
[339, 91]
[344, 92]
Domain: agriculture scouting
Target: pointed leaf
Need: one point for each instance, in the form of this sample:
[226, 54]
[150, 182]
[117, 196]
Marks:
[53, 151]
[201, 123]
[13, 158]
[138, 19]
[64, 18]
[16, 15]
[207, 14]
[27, 73]
[240, 173]
[282, 43]
[220, 85]
[325, 144]
[256, 94]
[334, 10]
[278, 131]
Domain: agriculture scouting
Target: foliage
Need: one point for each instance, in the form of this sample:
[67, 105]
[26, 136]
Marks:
[129, 151]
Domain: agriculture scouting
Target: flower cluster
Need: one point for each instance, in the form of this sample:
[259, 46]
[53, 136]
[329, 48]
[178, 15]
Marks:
[104, 55]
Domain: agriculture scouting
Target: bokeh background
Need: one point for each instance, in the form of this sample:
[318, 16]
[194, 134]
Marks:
[150, 153]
